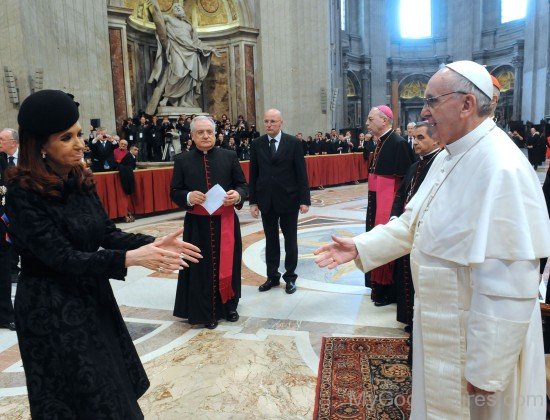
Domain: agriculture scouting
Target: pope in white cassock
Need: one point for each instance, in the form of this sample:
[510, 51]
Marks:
[475, 231]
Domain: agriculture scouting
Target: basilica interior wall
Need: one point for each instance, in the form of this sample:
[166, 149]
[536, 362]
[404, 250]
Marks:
[274, 53]
[293, 63]
[67, 42]
[373, 45]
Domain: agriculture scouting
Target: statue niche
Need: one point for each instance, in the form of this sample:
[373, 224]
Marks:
[182, 60]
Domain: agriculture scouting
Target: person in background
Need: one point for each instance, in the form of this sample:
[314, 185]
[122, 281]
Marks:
[121, 151]
[129, 130]
[534, 148]
[78, 356]
[102, 149]
[126, 168]
[10, 147]
[410, 139]
[6, 306]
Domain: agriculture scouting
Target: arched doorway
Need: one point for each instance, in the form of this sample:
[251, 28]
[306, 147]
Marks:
[353, 96]
[411, 98]
[505, 106]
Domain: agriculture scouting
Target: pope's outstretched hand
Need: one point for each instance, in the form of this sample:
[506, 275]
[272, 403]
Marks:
[340, 251]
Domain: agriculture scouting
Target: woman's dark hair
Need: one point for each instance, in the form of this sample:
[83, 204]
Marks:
[33, 173]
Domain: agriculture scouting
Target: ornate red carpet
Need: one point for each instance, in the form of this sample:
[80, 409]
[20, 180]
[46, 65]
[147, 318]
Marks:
[363, 378]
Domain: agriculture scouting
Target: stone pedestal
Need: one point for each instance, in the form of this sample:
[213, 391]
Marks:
[173, 112]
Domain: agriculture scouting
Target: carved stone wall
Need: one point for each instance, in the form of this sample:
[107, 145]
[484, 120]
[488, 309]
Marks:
[66, 39]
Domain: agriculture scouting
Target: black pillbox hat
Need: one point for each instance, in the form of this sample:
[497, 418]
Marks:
[47, 112]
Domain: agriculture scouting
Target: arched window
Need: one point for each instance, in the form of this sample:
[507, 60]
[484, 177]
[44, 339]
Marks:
[415, 18]
[512, 10]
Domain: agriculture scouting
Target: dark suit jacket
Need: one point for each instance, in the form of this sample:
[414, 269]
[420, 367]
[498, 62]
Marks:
[126, 171]
[101, 154]
[280, 182]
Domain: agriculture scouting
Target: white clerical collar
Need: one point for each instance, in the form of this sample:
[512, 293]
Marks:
[464, 143]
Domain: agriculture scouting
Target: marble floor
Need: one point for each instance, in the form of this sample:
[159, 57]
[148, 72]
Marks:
[265, 365]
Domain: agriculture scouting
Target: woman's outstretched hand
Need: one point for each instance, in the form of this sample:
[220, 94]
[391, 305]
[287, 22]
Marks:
[172, 242]
[331, 255]
[165, 254]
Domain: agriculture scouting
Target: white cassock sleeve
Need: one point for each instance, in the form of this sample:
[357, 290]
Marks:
[384, 243]
[503, 299]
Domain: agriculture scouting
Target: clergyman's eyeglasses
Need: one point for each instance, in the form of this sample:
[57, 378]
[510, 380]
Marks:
[431, 102]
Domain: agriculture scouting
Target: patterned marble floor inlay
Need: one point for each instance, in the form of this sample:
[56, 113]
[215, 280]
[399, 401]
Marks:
[264, 365]
[336, 195]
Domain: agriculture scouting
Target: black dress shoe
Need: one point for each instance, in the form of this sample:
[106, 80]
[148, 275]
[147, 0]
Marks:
[211, 326]
[382, 302]
[232, 316]
[290, 287]
[8, 325]
[268, 285]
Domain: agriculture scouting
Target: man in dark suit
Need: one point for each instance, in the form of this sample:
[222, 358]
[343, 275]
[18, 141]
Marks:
[102, 152]
[126, 169]
[278, 189]
[6, 307]
[410, 139]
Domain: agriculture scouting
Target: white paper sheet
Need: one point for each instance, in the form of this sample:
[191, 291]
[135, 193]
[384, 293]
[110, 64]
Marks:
[214, 198]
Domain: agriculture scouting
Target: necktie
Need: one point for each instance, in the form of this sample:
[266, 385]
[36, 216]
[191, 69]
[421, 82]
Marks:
[11, 161]
[272, 146]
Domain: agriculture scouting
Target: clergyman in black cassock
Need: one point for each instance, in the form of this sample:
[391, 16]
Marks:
[391, 160]
[203, 294]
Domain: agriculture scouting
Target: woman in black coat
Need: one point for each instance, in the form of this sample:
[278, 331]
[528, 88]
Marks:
[78, 356]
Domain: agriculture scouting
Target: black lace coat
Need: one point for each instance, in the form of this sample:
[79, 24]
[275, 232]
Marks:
[78, 356]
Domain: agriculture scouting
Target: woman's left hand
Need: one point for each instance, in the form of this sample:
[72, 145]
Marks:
[172, 242]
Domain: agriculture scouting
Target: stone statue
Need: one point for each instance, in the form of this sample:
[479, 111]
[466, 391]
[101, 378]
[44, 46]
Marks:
[182, 60]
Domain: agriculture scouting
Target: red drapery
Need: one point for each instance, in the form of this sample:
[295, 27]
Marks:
[152, 193]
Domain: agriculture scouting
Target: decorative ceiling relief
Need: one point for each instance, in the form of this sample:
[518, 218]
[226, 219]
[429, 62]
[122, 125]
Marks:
[204, 14]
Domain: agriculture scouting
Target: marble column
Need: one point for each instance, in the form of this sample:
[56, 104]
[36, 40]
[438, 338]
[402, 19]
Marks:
[517, 62]
[365, 98]
[395, 99]
[344, 90]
